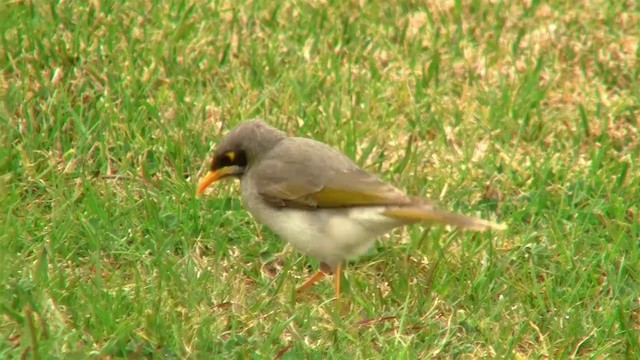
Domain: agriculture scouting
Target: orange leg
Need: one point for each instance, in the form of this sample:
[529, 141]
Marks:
[312, 280]
[320, 274]
[337, 273]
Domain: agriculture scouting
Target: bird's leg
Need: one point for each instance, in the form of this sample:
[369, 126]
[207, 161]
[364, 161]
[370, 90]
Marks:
[320, 274]
[313, 279]
[337, 274]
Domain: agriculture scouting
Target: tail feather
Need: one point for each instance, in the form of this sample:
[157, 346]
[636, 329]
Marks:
[435, 215]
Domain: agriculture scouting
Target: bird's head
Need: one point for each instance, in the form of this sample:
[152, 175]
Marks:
[239, 149]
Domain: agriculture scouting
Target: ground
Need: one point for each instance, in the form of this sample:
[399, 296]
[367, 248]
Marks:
[522, 112]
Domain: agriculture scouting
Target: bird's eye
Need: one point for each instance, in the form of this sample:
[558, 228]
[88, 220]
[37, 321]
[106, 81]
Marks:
[227, 159]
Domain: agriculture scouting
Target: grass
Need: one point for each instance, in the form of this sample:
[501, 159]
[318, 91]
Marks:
[524, 112]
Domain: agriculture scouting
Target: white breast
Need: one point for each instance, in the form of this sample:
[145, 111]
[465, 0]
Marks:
[329, 235]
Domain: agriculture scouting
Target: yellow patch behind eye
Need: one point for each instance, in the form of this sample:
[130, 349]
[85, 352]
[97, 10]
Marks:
[231, 155]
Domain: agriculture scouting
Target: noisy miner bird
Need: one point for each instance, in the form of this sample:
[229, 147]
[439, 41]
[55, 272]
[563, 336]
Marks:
[316, 198]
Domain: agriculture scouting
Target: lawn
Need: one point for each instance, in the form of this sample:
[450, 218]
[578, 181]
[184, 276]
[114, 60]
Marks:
[526, 113]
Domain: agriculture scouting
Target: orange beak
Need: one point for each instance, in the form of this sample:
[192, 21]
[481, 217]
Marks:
[210, 178]
[215, 175]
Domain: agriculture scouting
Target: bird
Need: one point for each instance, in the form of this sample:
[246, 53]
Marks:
[316, 198]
